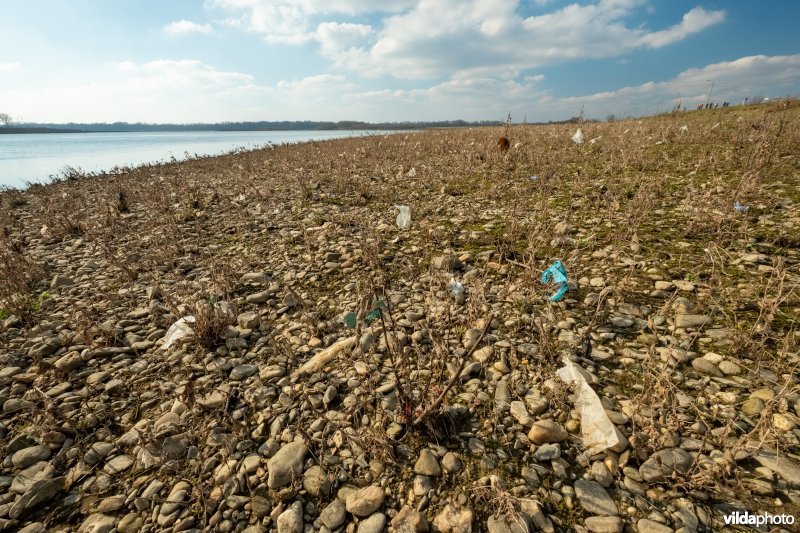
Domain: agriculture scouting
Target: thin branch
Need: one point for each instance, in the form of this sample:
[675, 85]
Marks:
[456, 376]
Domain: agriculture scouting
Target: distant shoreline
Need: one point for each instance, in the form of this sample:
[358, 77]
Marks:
[11, 130]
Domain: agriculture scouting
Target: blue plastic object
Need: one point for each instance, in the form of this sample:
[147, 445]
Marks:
[556, 274]
[741, 208]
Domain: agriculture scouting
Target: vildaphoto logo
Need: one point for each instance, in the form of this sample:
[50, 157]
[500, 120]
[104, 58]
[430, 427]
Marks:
[762, 519]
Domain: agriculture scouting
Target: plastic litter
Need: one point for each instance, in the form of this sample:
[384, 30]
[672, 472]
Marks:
[404, 217]
[557, 274]
[597, 431]
[457, 290]
[740, 208]
[577, 138]
[684, 128]
[177, 331]
[534, 177]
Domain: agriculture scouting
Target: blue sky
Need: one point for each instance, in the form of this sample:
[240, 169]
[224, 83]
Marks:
[395, 60]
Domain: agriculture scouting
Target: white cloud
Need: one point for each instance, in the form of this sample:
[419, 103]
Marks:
[455, 37]
[289, 21]
[181, 27]
[694, 21]
[10, 67]
[335, 38]
[733, 81]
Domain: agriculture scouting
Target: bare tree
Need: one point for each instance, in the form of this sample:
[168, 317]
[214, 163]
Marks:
[6, 119]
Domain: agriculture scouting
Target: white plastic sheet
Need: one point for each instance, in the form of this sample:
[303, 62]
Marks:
[577, 138]
[404, 217]
[597, 431]
[177, 331]
[457, 290]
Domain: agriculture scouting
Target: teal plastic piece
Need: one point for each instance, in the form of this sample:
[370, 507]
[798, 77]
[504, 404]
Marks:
[557, 274]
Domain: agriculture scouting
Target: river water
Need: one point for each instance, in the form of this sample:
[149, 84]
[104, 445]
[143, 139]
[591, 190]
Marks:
[34, 157]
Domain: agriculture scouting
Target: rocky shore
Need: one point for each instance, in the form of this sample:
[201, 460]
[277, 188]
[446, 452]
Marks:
[333, 378]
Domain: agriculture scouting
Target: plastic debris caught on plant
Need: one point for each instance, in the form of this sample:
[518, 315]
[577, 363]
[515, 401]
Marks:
[557, 274]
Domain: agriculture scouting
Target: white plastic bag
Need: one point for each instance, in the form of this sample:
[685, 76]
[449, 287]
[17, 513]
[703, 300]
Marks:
[597, 431]
[577, 138]
[404, 217]
[458, 291]
[177, 331]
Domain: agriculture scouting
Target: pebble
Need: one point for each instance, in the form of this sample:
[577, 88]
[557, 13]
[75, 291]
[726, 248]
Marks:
[365, 501]
[547, 431]
[594, 498]
[427, 464]
[286, 464]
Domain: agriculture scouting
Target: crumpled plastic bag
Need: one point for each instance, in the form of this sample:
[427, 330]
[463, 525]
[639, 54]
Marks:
[457, 290]
[177, 331]
[739, 208]
[597, 430]
[404, 217]
[557, 274]
[577, 138]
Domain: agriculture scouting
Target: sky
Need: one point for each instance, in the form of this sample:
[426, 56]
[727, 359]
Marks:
[189, 61]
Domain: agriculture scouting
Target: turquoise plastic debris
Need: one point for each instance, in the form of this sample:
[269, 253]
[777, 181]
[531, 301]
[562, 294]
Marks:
[557, 274]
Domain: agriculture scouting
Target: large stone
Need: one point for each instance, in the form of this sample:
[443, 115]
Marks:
[240, 372]
[547, 431]
[786, 468]
[409, 520]
[118, 464]
[291, 520]
[249, 320]
[315, 481]
[704, 366]
[97, 523]
[286, 465]
[334, 514]
[651, 526]
[604, 524]
[448, 263]
[374, 524]
[665, 463]
[365, 501]
[130, 523]
[506, 524]
[427, 464]
[692, 321]
[39, 492]
[454, 520]
[594, 498]
[28, 456]
[69, 361]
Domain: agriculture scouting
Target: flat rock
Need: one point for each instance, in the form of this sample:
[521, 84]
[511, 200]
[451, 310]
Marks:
[334, 514]
[365, 501]
[39, 492]
[594, 498]
[664, 463]
[451, 519]
[692, 321]
[651, 526]
[506, 524]
[373, 524]
[547, 431]
[409, 520]
[291, 520]
[28, 456]
[604, 524]
[286, 464]
[427, 464]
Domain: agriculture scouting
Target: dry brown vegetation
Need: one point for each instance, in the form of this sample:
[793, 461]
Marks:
[101, 266]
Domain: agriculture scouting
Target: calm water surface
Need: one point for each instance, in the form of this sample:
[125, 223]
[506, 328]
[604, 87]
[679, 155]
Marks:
[36, 156]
